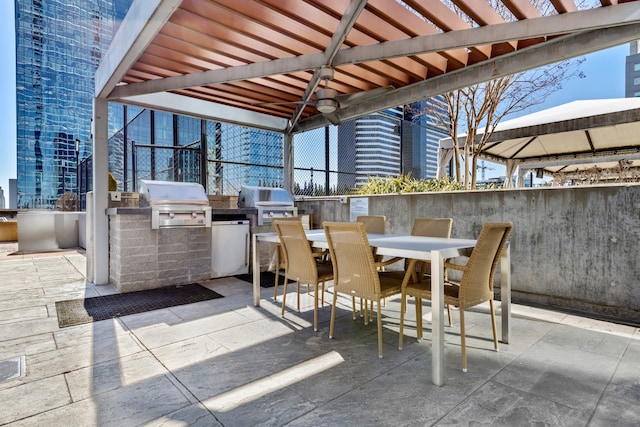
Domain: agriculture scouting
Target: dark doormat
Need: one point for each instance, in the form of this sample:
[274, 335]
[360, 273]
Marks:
[87, 310]
[267, 279]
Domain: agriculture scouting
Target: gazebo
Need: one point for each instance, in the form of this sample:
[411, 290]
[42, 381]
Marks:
[292, 66]
[570, 139]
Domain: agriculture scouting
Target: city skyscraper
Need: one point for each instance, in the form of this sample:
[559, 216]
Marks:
[632, 71]
[395, 141]
[422, 132]
[369, 146]
[59, 46]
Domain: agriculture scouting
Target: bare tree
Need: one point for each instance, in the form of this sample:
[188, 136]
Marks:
[479, 108]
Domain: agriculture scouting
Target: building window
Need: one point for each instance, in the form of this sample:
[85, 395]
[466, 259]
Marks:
[636, 67]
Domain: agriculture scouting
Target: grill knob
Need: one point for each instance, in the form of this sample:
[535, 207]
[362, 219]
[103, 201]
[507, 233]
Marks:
[193, 215]
[171, 215]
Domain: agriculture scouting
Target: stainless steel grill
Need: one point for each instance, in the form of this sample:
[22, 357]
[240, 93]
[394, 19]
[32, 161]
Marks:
[270, 202]
[175, 204]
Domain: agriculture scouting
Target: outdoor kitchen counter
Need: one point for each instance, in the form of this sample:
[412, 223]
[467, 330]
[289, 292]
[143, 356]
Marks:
[214, 211]
[144, 258]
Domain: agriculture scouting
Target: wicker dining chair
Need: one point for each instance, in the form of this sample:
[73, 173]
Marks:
[430, 227]
[475, 286]
[355, 271]
[280, 261]
[376, 224]
[301, 263]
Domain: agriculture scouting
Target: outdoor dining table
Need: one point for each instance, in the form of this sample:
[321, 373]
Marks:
[432, 249]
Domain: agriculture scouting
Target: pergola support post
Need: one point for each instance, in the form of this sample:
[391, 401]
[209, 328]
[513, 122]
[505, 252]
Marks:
[287, 161]
[100, 229]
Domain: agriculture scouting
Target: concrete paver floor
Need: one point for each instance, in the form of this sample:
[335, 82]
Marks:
[226, 362]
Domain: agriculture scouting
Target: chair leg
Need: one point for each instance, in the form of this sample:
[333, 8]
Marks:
[366, 312]
[333, 313]
[315, 307]
[417, 303]
[493, 325]
[403, 306]
[449, 313]
[379, 329]
[298, 286]
[463, 341]
[353, 304]
[284, 296]
[277, 273]
[324, 288]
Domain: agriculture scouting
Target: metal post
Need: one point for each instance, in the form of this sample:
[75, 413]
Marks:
[78, 167]
[134, 184]
[326, 161]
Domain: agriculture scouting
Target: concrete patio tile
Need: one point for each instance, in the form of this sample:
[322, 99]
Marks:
[25, 400]
[589, 341]
[117, 373]
[561, 372]
[21, 314]
[376, 402]
[619, 403]
[25, 328]
[189, 352]
[133, 405]
[166, 327]
[88, 333]
[249, 334]
[195, 415]
[229, 371]
[28, 345]
[79, 356]
[598, 325]
[498, 405]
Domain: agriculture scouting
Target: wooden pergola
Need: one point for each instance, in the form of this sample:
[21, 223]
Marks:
[295, 65]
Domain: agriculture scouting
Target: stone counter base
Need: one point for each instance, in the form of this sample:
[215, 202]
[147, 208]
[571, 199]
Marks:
[142, 258]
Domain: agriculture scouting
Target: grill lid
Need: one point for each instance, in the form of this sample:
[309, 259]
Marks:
[156, 193]
[252, 197]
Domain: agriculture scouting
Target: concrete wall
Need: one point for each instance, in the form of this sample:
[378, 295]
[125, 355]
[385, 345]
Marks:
[574, 248]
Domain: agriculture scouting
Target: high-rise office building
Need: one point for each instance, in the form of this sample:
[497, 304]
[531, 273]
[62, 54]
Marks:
[369, 146]
[425, 124]
[59, 45]
[632, 71]
[397, 140]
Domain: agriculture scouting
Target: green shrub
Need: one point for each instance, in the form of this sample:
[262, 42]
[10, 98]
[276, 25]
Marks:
[406, 184]
[113, 184]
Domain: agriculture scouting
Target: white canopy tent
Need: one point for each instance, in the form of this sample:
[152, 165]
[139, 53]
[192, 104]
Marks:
[569, 138]
[260, 63]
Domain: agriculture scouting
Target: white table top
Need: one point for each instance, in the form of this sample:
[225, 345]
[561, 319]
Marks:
[400, 245]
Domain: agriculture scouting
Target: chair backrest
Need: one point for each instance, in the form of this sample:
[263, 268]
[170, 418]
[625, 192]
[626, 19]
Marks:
[354, 271]
[476, 284]
[300, 264]
[283, 219]
[432, 227]
[376, 224]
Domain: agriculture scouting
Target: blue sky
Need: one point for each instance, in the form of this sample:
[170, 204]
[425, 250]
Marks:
[604, 72]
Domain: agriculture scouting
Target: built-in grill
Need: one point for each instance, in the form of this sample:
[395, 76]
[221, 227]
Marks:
[270, 202]
[175, 204]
